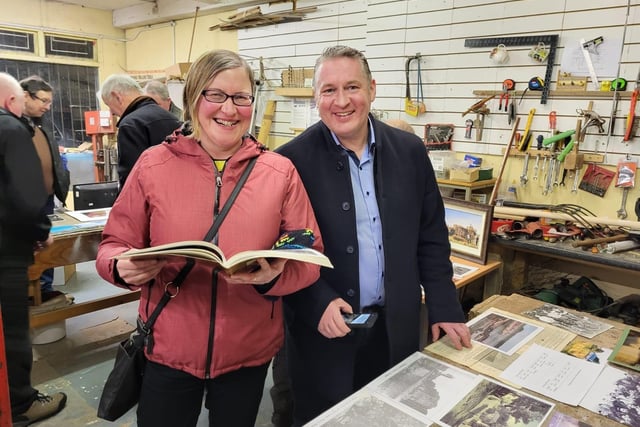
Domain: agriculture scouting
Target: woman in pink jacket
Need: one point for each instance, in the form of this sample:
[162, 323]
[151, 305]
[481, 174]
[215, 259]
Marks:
[216, 337]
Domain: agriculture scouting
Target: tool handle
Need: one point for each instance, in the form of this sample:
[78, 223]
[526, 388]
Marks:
[558, 137]
[566, 150]
[631, 116]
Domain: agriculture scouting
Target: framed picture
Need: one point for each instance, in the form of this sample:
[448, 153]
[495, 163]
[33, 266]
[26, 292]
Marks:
[469, 224]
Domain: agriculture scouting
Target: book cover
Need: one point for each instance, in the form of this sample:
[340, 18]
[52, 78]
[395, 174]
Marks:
[208, 252]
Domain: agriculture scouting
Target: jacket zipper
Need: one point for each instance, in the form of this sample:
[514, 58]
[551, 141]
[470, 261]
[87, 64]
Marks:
[214, 277]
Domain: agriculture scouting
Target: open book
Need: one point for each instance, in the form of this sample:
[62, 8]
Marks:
[206, 251]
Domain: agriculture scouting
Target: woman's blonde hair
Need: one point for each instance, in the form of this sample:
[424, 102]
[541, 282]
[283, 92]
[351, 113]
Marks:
[200, 74]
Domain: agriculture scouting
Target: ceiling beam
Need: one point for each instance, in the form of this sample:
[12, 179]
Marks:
[170, 10]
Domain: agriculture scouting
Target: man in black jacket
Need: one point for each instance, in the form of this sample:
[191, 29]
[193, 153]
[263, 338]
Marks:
[377, 202]
[38, 99]
[142, 122]
[24, 227]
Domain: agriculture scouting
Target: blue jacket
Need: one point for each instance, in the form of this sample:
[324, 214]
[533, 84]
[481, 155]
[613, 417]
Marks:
[416, 244]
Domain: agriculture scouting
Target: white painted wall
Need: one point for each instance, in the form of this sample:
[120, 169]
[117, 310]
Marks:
[389, 31]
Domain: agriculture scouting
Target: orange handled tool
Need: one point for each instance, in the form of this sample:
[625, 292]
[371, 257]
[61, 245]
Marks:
[632, 111]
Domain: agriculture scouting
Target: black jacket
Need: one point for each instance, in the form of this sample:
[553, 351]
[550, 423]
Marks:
[416, 244]
[143, 124]
[22, 192]
[61, 176]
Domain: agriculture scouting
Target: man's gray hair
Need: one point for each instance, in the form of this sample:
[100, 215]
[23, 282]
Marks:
[119, 83]
[156, 87]
[340, 51]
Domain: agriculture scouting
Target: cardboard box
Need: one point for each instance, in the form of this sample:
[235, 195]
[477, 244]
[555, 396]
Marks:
[177, 70]
[465, 174]
[485, 173]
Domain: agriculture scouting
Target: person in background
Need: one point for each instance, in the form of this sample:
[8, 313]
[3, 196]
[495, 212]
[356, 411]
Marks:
[142, 123]
[160, 93]
[400, 124]
[38, 98]
[217, 336]
[383, 229]
[24, 227]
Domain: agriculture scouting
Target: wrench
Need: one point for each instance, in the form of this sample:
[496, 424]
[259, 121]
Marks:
[523, 177]
[574, 188]
[547, 185]
[622, 212]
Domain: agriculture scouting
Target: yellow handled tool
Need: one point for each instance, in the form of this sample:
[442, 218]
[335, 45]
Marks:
[526, 136]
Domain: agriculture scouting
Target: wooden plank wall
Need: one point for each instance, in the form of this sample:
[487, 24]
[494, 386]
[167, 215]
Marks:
[389, 31]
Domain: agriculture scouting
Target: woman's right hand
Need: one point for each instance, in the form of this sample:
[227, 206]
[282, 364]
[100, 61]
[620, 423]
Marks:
[140, 271]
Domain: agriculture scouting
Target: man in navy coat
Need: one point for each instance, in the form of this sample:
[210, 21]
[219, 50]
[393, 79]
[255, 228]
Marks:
[377, 202]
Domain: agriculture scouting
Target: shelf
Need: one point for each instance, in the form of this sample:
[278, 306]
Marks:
[295, 92]
[556, 94]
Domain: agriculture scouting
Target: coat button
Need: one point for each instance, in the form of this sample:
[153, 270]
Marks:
[351, 293]
[339, 166]
[346, 206]
[350, 249]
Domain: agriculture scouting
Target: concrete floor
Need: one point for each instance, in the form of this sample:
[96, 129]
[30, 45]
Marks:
[79, 363]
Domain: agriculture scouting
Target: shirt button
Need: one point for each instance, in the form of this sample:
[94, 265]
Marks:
[350, 249]
[346, 206]
[351, 293]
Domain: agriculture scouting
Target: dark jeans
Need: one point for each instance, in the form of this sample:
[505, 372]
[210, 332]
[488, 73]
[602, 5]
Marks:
[281, 394]
[15, 319]
[173, 398]
[46, 279]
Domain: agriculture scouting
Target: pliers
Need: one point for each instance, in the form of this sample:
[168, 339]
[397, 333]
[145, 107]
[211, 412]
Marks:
[504, 95]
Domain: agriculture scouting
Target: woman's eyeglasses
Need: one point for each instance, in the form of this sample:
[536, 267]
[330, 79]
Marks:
[217, 97]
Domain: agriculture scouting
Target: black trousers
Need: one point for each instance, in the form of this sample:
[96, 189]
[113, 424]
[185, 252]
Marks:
[173, 398]
[325, 371]
[15, 319]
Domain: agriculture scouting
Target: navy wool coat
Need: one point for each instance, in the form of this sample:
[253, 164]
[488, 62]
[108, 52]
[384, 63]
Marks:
[415, 237]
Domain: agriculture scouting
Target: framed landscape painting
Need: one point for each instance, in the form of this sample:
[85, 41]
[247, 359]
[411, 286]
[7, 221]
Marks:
[469, 224]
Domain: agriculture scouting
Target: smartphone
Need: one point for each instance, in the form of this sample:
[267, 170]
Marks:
[360, 320]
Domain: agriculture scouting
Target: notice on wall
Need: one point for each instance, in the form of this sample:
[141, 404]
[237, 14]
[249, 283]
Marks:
[604, 56]
[304, 113]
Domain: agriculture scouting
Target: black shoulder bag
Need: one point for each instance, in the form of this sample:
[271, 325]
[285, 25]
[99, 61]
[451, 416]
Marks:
[122, 389]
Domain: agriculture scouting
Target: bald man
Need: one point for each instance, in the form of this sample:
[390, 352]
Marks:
[24, 227]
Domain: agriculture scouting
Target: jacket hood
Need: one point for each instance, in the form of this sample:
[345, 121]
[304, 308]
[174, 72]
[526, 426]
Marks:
[181, 144]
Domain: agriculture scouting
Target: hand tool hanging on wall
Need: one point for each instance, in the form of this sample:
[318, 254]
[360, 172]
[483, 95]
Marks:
[536, 165]
[632, 111]
[410, 107]
[626, 180]
[526, 136]
[596, 180]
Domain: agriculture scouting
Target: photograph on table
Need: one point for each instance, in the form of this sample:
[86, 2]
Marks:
[501, 332]
[627, 350]
[469, 225]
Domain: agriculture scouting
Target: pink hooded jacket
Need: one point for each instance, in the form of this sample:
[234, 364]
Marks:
[169, 196]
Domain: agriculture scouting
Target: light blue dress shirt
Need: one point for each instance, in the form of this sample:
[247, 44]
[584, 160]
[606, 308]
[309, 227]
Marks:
[368, 224]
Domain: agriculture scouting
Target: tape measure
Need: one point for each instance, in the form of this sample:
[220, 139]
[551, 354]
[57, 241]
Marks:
[536, 83]
[618, 84]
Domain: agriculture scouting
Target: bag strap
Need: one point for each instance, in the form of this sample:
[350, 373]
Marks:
[145, 327]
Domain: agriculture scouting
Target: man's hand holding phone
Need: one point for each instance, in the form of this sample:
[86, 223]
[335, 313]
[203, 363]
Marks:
[360, 320]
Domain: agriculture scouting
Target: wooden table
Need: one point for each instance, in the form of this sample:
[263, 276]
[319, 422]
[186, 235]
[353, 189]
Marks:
[70, 249]
[490, 273]
[621, 268]
[517, 304]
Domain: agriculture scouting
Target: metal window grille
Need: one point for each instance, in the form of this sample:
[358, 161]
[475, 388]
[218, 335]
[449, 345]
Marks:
[69, 47]
[17, 41]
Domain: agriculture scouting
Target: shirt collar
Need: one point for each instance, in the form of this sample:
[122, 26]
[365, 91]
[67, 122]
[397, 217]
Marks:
[371, 144]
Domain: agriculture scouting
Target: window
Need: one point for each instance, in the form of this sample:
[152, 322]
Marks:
[70, 47]
[74, 92]
[20, 41]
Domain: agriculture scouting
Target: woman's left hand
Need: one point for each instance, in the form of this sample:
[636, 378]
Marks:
[263, 273]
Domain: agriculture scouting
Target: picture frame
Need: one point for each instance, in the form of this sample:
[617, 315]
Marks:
[469, 225]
